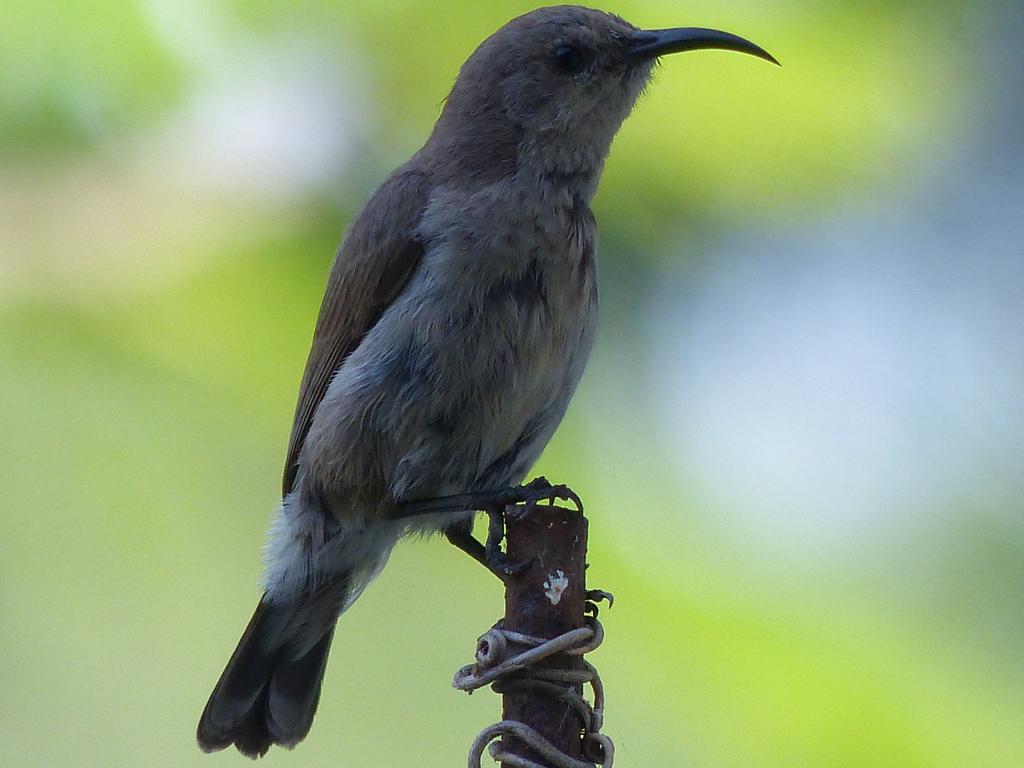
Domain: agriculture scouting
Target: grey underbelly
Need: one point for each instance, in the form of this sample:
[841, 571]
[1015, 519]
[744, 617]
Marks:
[435, 413]
[483, 425]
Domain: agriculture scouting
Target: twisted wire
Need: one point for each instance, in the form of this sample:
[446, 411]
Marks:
[507, 661]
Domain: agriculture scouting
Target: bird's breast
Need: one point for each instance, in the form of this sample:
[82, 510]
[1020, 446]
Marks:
[505, 312]
[509, 285]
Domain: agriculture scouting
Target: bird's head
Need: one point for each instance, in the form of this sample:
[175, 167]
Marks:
[557, 83]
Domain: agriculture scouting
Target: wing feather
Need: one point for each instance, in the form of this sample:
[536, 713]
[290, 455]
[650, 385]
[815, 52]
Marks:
[374, 263]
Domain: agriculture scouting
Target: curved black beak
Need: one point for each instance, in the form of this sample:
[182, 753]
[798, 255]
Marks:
[649, 44]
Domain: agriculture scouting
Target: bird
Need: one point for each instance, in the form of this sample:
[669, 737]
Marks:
[456, 323]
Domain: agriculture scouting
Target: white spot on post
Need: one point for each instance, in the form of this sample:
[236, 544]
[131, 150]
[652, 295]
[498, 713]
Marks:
[555, 585]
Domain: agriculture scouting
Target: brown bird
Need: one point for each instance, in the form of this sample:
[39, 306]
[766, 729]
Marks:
[457, 321]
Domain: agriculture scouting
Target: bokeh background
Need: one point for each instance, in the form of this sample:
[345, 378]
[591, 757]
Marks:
[800, 438]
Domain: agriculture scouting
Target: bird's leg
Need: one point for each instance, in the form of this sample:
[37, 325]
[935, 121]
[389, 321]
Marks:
[461, 535]
[535, 491]
[488, 555]
[495, 532]
[495, 504]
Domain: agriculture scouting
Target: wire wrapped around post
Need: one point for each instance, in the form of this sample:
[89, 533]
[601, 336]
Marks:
[534, 655]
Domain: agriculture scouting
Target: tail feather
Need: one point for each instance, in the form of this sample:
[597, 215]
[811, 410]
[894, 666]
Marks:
[294, 692]
[250, 735]
[265, 695]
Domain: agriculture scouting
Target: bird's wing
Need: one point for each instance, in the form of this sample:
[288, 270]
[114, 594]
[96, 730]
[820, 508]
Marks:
[378, 256]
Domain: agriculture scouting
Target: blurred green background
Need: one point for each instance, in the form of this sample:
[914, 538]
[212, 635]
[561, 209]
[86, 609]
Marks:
[800, 437]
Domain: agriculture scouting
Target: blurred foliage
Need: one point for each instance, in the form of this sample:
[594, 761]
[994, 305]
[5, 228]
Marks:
[154, 318]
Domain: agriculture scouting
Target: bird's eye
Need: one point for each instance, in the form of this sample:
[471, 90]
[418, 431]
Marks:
[569, 59]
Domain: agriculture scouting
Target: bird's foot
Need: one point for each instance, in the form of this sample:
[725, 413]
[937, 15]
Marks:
[498, 561]
[501, 566]
[594, 597]
[520, 500]
[489, 554]
[529, 495]
[538, 490]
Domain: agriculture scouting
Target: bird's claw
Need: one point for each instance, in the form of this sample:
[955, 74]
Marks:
[539, 489]
[594, 597]
[503, 568]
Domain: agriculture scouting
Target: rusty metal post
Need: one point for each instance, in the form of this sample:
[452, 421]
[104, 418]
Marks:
[545, 600]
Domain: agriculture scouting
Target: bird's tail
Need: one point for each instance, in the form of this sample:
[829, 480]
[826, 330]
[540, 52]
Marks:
[270, 688]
